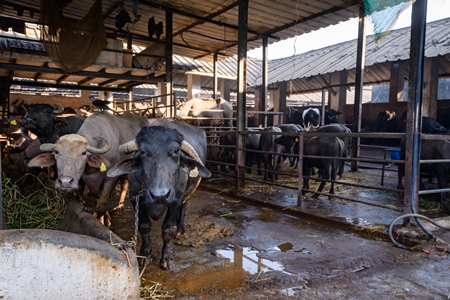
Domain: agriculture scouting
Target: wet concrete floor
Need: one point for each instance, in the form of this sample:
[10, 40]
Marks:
[255, 247]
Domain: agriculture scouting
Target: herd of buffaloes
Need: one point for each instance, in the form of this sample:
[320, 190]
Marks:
[160, 161]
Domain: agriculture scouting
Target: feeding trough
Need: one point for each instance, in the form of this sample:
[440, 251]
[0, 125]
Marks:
[54, 264]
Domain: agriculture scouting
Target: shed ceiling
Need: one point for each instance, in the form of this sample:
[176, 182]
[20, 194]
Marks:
[201, 28]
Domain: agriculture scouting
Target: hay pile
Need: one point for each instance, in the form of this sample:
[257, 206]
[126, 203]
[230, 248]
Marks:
[35, 206]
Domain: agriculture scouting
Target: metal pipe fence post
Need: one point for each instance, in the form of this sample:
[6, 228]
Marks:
[300, 168]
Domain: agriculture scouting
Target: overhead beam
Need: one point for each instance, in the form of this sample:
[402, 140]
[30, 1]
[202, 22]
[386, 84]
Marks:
[144, 79]
[109, 81]
[38, 75]
[207, 19]
[62, 78]
[64, 86]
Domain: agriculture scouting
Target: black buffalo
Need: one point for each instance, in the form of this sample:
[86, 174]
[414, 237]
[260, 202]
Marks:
[338, 128]
[296, 118]
[271, 151]
[332, 148]
[429, 149]
[443, 117]
[165, 169]
[331, 116]
[388, 121]
[428, 126]
[40, 119]
[227, 150]
[290, 142]
[311, 118]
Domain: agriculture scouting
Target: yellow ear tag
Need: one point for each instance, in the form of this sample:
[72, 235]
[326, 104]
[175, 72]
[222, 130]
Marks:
[102, 167]
[296, 139]
[193, 172]
[13, 122]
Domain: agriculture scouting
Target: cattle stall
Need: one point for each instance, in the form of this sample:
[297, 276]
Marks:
[151, 106]
[377, 162]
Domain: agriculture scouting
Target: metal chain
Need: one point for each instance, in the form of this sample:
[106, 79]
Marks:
[136, 216]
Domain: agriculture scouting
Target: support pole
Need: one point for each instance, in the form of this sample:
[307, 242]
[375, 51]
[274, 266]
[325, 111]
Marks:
[242, 90]
[265, 75]
[215, 93]
[169, 57]
[359, 84]
[415, 90]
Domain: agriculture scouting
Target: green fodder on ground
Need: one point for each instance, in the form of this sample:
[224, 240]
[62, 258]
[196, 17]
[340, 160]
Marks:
[37, 206]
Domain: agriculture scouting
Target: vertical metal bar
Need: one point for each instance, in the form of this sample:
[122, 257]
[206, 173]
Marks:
[215, 93]
[242, 89]
[169, 54]
[264, 85]
[383, 168]
[1, 194]
[415, 84]
[323, 107]
[300, 168]
[359, 84]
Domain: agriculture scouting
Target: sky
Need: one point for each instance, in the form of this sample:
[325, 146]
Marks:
[345, 31]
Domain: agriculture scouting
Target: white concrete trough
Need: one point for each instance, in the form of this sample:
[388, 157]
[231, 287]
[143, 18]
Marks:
[52, 264]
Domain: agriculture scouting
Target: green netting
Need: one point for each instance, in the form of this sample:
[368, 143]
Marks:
[384, 13]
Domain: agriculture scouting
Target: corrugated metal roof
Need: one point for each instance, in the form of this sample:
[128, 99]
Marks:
[201, 28]
[309, 71]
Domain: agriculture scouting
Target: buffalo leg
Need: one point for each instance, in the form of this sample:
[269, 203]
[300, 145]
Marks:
[401, 173]
[180, 222]
[144, 227]
[335, 166]
[307, 173]
[169, 232]
[123, 193]
[325, 174]
[441, 175]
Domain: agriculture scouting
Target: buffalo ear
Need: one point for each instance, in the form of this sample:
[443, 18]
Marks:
[42, 160]
[126, 166]
[60, 123]
[96, 161]
[194, 167]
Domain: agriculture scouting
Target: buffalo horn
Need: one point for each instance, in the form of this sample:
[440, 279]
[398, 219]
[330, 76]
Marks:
[25, 133]
[47, 147]
[129, 147]
[57, 108]
[186, 147]
[101, 150]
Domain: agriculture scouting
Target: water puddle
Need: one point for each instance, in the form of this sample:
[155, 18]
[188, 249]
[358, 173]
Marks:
[247, 260]
[242, 262]
[284, 247]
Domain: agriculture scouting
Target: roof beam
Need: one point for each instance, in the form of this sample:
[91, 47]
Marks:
[205, 19]
[144, 79]
[64, 86]
[38, 75]
[62, 78]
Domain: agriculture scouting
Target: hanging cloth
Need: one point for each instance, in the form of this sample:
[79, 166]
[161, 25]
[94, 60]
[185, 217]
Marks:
[72, 45]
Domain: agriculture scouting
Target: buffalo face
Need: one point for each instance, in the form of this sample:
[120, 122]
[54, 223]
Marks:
[163, 164]
[39, 118]
[73, 156]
